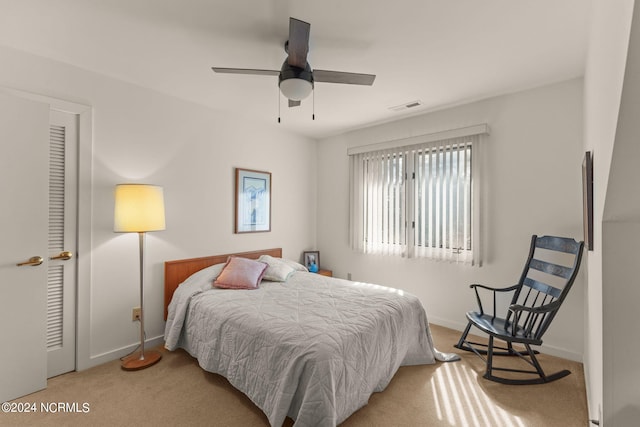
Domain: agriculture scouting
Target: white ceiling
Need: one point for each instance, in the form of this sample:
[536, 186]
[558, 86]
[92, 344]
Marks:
[441, 52]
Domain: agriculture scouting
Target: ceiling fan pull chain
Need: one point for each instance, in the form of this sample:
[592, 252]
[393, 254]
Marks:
[313, 114]
[278, 105]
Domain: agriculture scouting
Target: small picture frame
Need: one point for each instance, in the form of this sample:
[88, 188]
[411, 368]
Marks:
[253, 201]
[311, 258]
[587, 199]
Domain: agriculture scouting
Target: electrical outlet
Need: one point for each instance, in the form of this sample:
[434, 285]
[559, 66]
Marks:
[135, 314]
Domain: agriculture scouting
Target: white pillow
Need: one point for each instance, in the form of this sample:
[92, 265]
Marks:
[277, 270]
[295, 265]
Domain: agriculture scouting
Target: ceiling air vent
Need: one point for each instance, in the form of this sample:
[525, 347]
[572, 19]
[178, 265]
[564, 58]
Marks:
[407, 106]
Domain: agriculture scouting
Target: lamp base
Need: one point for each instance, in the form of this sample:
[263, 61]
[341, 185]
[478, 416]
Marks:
[136, 361]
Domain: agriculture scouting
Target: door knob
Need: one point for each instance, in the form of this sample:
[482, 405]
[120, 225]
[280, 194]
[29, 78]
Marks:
[63, 256]
[33, 261]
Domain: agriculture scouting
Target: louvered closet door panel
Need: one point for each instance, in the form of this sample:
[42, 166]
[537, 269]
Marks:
[61, 282]
[55, 277]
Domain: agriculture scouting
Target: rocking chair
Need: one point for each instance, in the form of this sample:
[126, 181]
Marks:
[549, 272]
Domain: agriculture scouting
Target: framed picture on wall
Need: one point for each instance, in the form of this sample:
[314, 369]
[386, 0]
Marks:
[253, 201]
[587, 199]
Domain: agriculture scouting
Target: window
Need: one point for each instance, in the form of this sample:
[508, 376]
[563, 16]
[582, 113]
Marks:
[417, 199]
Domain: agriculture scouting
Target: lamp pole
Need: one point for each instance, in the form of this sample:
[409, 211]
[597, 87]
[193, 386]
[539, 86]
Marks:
[142, 241]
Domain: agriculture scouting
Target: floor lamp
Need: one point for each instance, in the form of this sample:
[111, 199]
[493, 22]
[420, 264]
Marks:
[139, 208]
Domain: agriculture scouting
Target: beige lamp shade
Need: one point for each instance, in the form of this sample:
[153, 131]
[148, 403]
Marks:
[138, 208]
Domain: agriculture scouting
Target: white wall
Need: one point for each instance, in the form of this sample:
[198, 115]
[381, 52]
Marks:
[604, 74]
[620, 250]
[532, 185]
[144, 136]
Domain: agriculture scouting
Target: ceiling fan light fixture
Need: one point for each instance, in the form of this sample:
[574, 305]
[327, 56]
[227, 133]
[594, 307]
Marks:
[295, 83]
[296, 89]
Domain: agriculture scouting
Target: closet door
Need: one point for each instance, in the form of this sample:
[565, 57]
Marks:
[24, 138]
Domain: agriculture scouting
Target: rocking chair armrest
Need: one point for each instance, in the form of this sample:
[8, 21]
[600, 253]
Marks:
[477, 286]
[541, 309]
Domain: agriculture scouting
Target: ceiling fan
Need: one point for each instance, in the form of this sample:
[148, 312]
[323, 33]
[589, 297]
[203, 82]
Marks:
[296, 78]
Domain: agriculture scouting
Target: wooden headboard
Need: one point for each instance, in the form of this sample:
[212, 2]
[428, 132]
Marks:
[176, 272]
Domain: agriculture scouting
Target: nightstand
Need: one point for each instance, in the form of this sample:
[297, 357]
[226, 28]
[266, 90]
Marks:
[327, 273]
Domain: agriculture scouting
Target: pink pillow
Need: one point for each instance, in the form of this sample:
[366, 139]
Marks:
[241, 273]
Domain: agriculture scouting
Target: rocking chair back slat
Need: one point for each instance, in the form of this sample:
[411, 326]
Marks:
[551, 268]
[542, 287]
[561, 244]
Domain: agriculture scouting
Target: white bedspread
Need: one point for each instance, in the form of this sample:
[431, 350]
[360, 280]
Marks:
[314, 348]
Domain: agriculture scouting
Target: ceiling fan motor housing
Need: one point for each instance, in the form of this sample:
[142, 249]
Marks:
[295, 83]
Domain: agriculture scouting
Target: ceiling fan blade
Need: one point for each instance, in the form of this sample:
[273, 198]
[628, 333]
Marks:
[298, 45]
[246, 71]
[342, 77]
[294, 103]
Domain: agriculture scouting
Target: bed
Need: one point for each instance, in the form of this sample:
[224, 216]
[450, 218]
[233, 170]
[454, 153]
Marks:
[302, 345]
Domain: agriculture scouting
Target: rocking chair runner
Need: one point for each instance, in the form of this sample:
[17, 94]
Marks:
[548, 274]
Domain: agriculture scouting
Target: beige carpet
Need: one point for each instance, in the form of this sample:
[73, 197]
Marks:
[176, 392]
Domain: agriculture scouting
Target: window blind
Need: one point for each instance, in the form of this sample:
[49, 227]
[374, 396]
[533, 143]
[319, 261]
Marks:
[443, 204]
[417, 200]
[379, 207]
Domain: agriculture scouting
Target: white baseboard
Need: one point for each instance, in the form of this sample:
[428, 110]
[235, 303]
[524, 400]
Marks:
[561, 352]
[457, 326]
[109, 356]
[546, 349]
